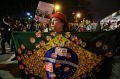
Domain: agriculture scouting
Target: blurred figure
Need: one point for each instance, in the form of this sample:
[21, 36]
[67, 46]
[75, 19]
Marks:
[82, 27]
[118, 23]
[98, 28]
[17, 26]
[46, 28]
[105, 26]
[6, 31]
[113, 25]
[94, 26]
[89, 26]
[32, 26]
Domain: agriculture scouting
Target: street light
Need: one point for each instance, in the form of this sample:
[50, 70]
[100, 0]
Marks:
[78, 15]
[57, 7]
[31, 16]
[28, 14]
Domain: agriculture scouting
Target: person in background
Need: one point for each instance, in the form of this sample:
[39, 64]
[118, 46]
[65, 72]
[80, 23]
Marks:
[89, 26]
[6, 31]
[118, 23]
[113, 25]
[47, 28]
[32, 26]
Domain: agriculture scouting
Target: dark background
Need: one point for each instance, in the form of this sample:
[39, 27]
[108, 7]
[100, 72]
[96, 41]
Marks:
[91, 9]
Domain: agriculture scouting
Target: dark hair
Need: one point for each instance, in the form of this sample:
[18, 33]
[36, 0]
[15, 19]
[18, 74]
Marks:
[65, 27]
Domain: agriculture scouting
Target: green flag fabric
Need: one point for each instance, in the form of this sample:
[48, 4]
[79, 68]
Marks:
[86, 55]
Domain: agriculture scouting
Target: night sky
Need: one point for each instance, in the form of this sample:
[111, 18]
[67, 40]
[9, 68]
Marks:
[97, 9]
[102, 8]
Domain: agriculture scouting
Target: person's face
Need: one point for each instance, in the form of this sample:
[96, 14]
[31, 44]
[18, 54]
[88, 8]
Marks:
[57, 25]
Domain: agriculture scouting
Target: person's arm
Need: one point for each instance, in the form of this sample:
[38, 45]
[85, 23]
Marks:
[5, 22]
[1, 27]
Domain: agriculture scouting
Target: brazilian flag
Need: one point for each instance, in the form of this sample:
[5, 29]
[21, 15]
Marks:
[86, 55]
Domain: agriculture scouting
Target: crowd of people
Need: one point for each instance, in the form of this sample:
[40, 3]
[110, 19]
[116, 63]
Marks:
[8, 25]
[24, 25]
[111, 25]
[91, 26]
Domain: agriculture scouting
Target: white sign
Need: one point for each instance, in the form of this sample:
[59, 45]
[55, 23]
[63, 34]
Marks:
[43, 11]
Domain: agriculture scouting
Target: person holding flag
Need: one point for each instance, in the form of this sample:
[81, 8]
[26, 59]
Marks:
[59, 22]
[66, 68]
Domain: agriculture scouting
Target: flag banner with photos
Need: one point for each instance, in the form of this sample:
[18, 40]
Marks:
[86, 55]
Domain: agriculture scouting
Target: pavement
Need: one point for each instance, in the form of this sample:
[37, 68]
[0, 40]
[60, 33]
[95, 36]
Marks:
[8, 69]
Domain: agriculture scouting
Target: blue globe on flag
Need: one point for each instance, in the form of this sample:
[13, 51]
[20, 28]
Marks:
[60, 63]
